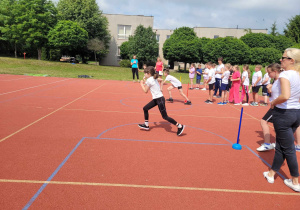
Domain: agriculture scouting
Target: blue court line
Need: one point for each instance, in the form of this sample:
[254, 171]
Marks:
[265, 162]
[52, 175]
[98, 137]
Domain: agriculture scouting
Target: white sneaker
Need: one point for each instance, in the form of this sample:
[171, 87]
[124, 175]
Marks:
[289, 183]
[265, 147]
[269, 179]
[245, 104]
[297, 147]
[237, 104]
[203, 89]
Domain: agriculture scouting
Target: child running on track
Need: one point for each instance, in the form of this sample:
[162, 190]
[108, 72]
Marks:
[158, 99]
[175, 84]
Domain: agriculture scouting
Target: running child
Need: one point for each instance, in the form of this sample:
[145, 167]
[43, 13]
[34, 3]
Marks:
[211, 82]
[245, 84]
[224, 84]
[192, 75]
[150, 82]
[175, 84]
[198, 78]
[265, 81]
[256, 83]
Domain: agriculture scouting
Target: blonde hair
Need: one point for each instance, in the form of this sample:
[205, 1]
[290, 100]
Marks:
[294, 53]
[246, 66]
[228, 66]
[159, 58]
[258, 66]
[236, 67]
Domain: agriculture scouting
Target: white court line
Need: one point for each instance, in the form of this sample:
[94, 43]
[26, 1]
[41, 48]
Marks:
[32, 87]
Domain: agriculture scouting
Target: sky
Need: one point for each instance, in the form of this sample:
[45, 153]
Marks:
[172, 14]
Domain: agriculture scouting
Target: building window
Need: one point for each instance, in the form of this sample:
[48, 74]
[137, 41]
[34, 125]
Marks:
[157, 37]
[124, 31]
[168, 36]
[216, 36]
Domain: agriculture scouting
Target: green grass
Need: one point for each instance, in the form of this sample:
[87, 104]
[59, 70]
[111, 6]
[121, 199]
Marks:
[20, 66]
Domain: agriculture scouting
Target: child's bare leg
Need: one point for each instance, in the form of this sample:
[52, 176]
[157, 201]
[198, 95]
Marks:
[169, 90]
[266, 131]
[183, 95]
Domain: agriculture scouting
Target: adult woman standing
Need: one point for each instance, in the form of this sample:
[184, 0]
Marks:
[135, 68]
[159, 67]
[286, 117]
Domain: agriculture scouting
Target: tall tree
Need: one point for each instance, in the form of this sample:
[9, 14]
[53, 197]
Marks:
[293, 29]
[183, 46]
[68, 36]
[10, 32]
[36, 19]
[143, 44]
[96, 46]
[89, 17]
[274, 29]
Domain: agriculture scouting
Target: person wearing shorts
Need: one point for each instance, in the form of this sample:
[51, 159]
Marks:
[175, 84]
[159, 67]
[211, 83]
[256, 83]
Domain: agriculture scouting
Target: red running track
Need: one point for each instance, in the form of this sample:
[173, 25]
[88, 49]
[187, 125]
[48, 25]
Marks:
[75, 144]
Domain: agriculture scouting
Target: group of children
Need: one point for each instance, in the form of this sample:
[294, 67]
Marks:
[227, 81]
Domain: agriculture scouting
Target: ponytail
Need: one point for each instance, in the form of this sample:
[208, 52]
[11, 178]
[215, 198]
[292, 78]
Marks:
[150, 70]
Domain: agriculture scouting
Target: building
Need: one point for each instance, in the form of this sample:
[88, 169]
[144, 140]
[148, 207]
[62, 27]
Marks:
[122, 26]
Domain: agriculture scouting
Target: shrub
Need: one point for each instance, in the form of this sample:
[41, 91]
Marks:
[233, 50]
[264, 56]
[258, 40]
[282, 42]
[125, 63]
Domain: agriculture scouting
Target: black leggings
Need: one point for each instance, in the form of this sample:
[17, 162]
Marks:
[162, 108]
[135, 71]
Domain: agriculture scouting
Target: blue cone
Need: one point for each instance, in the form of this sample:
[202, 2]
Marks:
[237, 146]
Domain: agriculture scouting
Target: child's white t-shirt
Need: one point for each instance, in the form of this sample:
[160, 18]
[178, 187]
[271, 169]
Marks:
[246, 81]
[219, 70]
[211, 74]
[256, 75]
[154, 87]
[265, 77]
[205, 76]
[294, 79]
[225, 78]
[175, 82]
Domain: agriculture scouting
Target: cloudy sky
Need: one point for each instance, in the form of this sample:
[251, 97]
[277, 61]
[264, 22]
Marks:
[172, 14]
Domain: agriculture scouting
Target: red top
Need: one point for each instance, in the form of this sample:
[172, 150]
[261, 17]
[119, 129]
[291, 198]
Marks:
[159, 66]
[236, 75]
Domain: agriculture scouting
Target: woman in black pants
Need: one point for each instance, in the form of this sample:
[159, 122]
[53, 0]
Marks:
[286, 118]
[135, 68]
[152, 84]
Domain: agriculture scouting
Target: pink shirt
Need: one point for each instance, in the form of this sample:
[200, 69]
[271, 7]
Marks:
[236, 75]
[159, 66]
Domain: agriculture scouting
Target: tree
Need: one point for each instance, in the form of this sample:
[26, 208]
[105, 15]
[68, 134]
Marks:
[124, 50]
[183, 46]
[264, 56]
[10, 32]
[36, 19]
[233, 50]
[282, 42]
[143, 44]
[88, 16]
[274, 29]
[68, 36]
[258, 40]
[293, 29]
[95, 45]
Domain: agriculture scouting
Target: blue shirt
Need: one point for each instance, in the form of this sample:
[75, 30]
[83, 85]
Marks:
[199, 75]
[134, 65]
